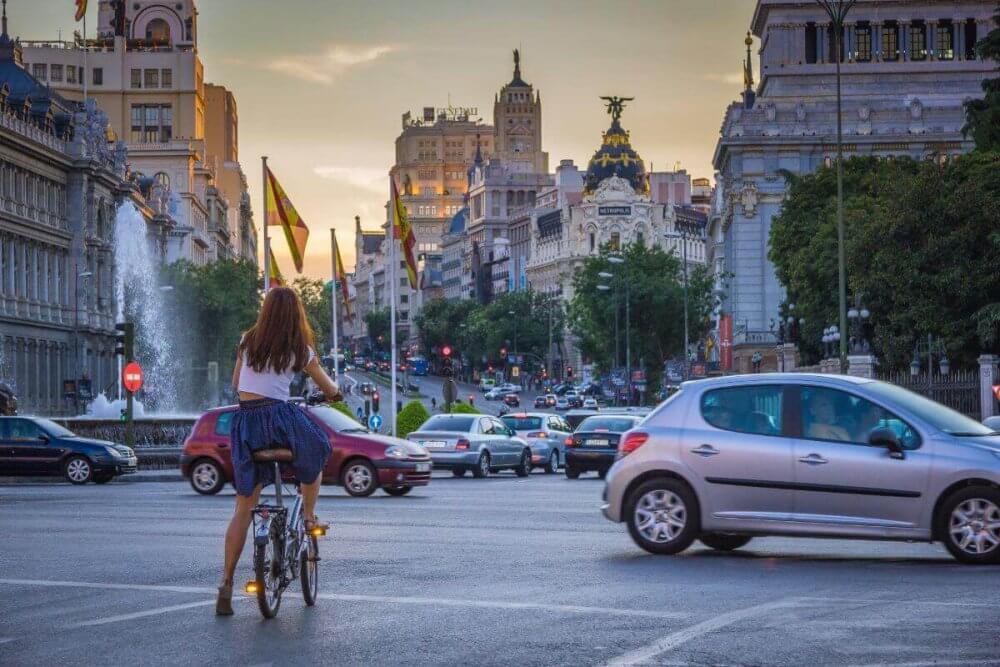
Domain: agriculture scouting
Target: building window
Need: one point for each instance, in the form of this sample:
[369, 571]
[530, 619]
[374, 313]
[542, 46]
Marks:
[593, 241]
[811, 43]
[863, 42]
[890, 41]
[152, 123]
[616, 241]
[71, 74]
[918, 41]
[970, 39]
[158, 30]
[167, 78]
[640, 238]
[152, 78]
[944, 41]
[404, 282]
[137, 78]
[163, 179]
[404, 298]
[40, 71]
[56, 75]
[832, 47]
[98, 76]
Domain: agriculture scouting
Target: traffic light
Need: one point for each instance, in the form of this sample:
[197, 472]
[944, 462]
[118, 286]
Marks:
[446, 351]
[375, 399]
[125, 340]
[447, 369]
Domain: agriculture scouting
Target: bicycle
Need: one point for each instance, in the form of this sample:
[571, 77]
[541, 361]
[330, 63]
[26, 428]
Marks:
[283, 549]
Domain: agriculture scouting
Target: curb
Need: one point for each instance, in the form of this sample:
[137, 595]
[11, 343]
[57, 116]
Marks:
[134, 478]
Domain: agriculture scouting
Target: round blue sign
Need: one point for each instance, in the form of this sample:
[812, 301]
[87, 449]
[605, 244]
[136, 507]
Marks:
[375, 422]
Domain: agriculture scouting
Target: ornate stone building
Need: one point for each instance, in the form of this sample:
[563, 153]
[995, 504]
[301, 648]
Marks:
[61, 181]
[907, 67]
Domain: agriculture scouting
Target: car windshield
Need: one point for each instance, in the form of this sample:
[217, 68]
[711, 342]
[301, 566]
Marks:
[939, 416]
[54, 429]
[610, 424]
[337, 420]
[448, 423]
[523, 423]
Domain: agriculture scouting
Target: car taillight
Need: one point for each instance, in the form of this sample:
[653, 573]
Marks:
[538, 434]
[569, 442]
[462, 444]
[632, 441]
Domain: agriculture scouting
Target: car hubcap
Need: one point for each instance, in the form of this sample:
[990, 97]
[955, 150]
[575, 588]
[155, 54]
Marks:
[975, 526]
[484, 465]
[660, 516]
[555, 461]
[78, 470]
[205, 476]
[358, 478]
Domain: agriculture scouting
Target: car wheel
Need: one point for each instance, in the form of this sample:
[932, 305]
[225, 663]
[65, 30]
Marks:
[523, 468]
[206, 477]
[359, 478]
[724, 541]
[602, 473]
[552, 466]
[482, 469]
[103, 479]
[78, 469]
[397, 490]
[969, 524]
[572, 472]
[458, 472]
[662, 516]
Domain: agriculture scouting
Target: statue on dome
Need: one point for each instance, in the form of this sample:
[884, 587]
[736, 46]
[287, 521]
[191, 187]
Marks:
[615, 105]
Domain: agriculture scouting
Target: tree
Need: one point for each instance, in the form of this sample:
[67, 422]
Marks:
[411, 418]
[377, 323]
[983, 116]
[315, 296]
[922, 250]
[654, 281]
[439, 323]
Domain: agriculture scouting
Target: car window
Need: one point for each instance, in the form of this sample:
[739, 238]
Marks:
[460, 423]
[22, 429]
[610, 424]
[523, 423]
[499, 428]
[753, 409]
[485, 426]
[556, 424]
[224, 422]
[939, 416]
[830, 414]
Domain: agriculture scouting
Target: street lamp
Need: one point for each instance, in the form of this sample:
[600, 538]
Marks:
[837, 11]
[76, 322]
[619, 260]
[931, 347]
[682, 234]
[859, 315]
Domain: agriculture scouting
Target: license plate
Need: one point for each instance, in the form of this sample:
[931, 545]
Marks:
[423, 467]
[600, 442]
[433, 443]
[133, 461]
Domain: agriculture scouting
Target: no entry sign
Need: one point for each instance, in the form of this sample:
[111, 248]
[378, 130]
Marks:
[132, 377]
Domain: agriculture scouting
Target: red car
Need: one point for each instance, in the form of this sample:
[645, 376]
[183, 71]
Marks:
[362, 461]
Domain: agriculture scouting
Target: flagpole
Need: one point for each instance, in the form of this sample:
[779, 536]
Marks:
[392, 298]
[267, 243]
[334, 288]
[84, 74]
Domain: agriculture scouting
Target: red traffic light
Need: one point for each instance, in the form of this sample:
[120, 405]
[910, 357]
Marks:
[446, 351]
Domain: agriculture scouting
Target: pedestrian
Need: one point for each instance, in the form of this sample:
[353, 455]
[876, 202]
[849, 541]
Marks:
[434, 403]
[361, 413]
[275, 349]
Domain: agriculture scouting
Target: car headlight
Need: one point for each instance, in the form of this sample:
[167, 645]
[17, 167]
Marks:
[396, 452]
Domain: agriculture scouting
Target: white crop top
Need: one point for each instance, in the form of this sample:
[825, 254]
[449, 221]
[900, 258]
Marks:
[269, 383]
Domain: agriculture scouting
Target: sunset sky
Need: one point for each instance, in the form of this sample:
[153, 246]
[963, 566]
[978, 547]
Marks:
[321, 85]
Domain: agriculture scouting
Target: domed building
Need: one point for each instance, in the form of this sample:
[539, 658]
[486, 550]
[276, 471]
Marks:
[616, 157]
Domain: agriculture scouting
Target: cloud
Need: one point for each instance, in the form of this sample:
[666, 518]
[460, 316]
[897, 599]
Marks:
[324, 68]
[732, 78]
[366, 178]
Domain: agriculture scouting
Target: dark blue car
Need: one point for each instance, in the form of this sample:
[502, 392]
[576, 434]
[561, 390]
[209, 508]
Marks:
[35, 446]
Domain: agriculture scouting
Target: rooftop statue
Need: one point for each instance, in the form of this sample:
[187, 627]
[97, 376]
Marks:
[615, 105]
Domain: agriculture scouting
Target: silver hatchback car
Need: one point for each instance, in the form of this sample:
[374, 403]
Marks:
[807, 455]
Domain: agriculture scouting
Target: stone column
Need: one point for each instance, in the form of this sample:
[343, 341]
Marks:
[989, 375]
[876, 33]
[789, 355]
[861, 365]
[931, 27]
[904, 40]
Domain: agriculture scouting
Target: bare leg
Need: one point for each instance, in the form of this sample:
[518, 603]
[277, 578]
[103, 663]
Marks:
[310, 492]
[236, 534]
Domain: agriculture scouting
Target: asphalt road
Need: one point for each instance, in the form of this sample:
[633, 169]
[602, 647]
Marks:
[503, 571]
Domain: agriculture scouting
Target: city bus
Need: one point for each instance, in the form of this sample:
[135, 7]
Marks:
[418, 365]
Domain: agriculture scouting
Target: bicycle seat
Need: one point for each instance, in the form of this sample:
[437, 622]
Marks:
[273, 456]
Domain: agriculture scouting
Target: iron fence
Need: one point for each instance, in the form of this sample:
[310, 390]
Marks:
[958, 390]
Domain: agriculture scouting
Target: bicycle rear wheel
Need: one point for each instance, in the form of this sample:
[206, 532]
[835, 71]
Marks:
[309, 571]
[267, 569]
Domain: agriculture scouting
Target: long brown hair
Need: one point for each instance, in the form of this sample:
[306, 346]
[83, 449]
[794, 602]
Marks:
[281, 337]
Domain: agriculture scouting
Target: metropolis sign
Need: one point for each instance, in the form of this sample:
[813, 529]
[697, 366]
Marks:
[449, 113]
[614, 210]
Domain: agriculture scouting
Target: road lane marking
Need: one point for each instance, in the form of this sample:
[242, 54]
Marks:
[139, 614]
[501, 604]
[937, 603]
[675, 639]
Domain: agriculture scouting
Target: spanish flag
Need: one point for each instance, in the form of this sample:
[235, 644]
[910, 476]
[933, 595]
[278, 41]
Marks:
[403, 230]
[277, 280]
[81, 9]
[280, 212]
[342, 279]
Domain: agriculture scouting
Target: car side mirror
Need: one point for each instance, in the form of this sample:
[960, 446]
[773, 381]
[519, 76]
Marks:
[886, 437]
[44, 437]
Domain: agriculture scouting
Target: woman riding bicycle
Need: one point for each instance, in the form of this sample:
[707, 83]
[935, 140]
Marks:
[270, 353]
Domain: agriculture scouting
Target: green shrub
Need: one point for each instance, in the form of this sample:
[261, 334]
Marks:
[464, 409]
[343, 407]
[410, 418]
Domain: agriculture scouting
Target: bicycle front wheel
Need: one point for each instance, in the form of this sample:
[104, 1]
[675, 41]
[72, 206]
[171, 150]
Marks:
[267, 569]
[309, 571]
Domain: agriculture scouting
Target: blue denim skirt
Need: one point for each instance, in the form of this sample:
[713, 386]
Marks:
[271, 424]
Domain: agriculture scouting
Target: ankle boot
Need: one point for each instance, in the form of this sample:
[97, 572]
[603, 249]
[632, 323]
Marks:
[224, 603]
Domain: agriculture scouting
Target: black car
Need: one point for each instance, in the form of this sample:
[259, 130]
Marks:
[366, 388]
[35, 446]
[594, 443]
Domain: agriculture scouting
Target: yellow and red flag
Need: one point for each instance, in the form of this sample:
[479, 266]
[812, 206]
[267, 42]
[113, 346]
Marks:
[341, 278]
[277, 280]
[403, 230]
[280, 212]
[81, 9]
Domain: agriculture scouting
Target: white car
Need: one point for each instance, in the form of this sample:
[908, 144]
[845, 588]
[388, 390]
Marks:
[562, 403]
[590, 402]
[495, 394]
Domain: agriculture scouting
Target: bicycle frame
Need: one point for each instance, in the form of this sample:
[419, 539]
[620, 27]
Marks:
[288, 520]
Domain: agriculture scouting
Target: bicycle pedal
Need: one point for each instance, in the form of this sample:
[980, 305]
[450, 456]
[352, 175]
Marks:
[251, 586]
[317, 532]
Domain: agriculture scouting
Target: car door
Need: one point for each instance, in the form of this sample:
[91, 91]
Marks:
[7, 463]
[558, 431]
[735, 440]
[843, 480]
[32, 451]
[506, 435]
[491, 440]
